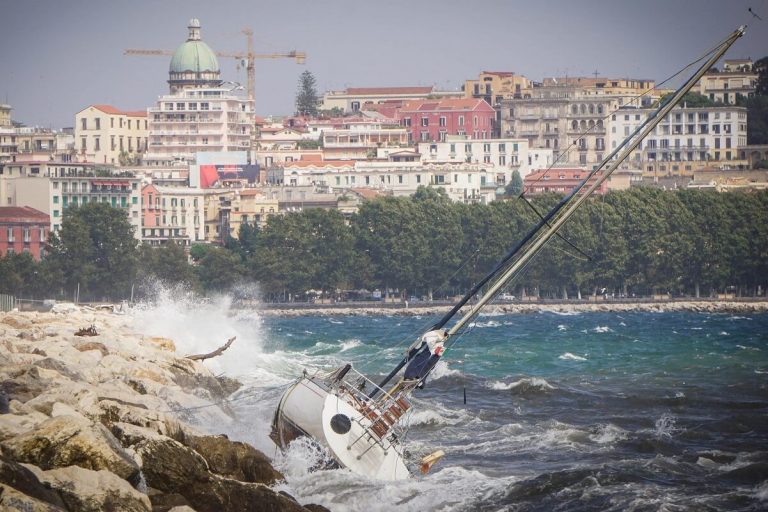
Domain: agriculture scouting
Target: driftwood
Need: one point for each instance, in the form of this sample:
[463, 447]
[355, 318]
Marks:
[217, 352]
[87, 331]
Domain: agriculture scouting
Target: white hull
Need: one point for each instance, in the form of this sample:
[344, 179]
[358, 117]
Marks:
[343, 422]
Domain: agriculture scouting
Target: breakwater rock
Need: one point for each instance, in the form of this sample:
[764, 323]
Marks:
[105, 422]
[520, 307]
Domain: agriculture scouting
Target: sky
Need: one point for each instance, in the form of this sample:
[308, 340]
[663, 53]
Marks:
[59, 56]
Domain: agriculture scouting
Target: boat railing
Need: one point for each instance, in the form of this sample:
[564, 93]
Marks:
[381, 415]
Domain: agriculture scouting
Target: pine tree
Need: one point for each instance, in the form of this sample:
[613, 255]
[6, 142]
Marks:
[515, 186]
[306, 97]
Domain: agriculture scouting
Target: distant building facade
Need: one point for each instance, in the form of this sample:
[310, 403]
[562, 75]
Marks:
[434, 120]
[23, 229]
[354, 99]
[107, 135]
[736, 80]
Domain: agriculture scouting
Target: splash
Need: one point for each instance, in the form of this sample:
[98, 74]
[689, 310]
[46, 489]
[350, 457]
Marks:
[524, 385]
[665, 426]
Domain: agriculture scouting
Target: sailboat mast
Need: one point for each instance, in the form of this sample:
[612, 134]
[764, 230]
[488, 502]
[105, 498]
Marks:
[631, 144]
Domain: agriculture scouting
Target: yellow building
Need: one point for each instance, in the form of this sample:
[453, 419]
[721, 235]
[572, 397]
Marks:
[494, 86]
[5, 115]
[736, 80]
[106, 135]
[226, 209]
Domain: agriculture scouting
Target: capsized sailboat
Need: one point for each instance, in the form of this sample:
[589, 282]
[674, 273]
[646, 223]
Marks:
[361, 423]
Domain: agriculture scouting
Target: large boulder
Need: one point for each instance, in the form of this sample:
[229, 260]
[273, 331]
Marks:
[85, 490]
[175, 469]
[234, 459]
[30, 493]
[71, 441]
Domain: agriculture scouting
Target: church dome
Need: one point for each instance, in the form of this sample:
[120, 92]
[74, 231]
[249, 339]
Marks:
[193, 64]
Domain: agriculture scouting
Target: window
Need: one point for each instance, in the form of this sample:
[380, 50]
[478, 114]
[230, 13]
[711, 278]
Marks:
[442, 121]
[502, 147]
[55, 199]
[84, 123]
[424, 121]
[96, 144]
[461, 120]
[406, 121]
[502, 160]
[98, 123]
[424, 136]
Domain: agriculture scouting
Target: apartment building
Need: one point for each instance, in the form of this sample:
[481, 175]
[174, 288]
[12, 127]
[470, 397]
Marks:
[434, 120]
[23, 230]
[687, 139]
[355, 99]
[107, 135]
[172, 214]
[736, 80]
[570, 115]
[26, 144]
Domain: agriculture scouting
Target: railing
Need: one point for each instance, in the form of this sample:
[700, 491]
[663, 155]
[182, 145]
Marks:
[7, 302]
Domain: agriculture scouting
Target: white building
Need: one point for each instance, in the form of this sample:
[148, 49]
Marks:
[686, 140]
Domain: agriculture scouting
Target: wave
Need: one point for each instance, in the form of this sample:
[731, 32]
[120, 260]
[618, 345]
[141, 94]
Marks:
[350, 344]
[602, 328]
[526, 385]
[571, 357]
[484, 325]
[562, 327]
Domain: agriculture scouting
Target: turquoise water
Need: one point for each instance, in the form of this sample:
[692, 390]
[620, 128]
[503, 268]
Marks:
[593, 411]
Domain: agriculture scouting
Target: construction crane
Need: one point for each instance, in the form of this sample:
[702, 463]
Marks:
[248, 56]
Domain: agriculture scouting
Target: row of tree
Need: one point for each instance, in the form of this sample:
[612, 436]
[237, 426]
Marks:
[638, 242]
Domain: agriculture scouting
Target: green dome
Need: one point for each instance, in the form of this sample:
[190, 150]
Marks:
[194, 56]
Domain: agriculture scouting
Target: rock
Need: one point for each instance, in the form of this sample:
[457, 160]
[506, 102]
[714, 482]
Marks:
[64, 308]
[16, 321]
[70, 440]
[85, 490]
[313, 507]
[173, 468]
[130, 435]
[183, 508]
[14, 501]
[92, 345]
[12, 425]
[62, 409]
[234, 459]
[26, 483]
[161, 343]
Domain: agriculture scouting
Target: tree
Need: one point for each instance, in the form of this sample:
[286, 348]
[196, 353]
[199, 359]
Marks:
[691, 99]
[167, 263]
[757, 120]
[515, 187]
[219, 269]
[96, 249]
[761, 68]
[307, 99]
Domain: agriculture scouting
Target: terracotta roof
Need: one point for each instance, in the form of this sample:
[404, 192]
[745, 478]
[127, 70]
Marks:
[109, 109]
[446, 104]
[313, 157]
[320, 164]
[389, 90]
[498, 73]
[22, 213]
[366, 193]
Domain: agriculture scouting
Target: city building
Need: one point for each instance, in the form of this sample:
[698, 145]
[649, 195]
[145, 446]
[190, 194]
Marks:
[570, 115]
[358, 138]
[736, 80]
[201, 113]
[23, 229]
[27, 144]
[354, 99]
[5, 116]
[493, 86]
[560, 180]
[226, 209]
[107, 135]
[686, 140]
[172, 214]
[754, 154]
[434, 120]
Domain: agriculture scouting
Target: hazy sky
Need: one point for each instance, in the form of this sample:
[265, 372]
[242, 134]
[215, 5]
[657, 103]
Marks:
[59, 56]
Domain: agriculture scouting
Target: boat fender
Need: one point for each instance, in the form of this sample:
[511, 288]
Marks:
[430, 460]
[340, 423]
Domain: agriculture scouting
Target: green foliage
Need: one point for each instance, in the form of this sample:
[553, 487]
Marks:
[198, 251]
[219, 269]
[307, 99]
[762, 164]
[168, 263]
[515, 186]
[757, 120]
[761, 68]
[96, 250]
[691, 99]
[309, 144]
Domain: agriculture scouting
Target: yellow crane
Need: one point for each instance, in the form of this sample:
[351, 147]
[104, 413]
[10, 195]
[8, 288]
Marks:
[249, 57]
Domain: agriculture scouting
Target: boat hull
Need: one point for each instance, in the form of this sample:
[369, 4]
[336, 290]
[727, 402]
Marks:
[311, 408]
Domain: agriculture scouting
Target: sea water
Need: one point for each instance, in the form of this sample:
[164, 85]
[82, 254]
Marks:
[591, 411]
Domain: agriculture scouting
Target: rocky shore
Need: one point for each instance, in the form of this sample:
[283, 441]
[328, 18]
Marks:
[420, 309]
[104, 422]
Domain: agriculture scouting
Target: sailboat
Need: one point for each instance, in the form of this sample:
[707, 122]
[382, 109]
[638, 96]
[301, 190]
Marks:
[361, 423]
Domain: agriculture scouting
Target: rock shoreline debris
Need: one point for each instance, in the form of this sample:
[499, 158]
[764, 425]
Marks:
[88, 424]
[531, 307]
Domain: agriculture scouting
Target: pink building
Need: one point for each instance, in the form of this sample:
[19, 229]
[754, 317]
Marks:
[23, 229]
[432, 120]
[559, 180]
